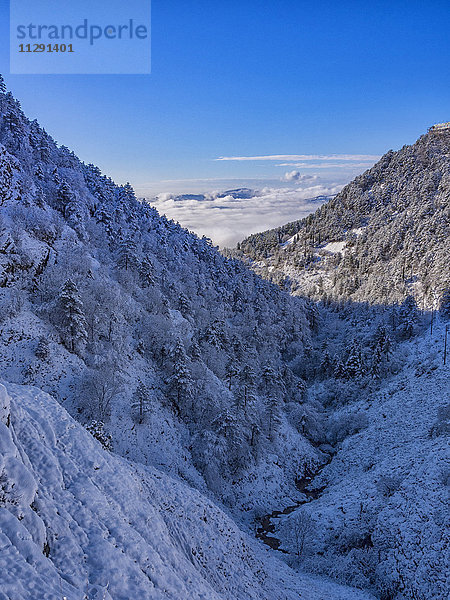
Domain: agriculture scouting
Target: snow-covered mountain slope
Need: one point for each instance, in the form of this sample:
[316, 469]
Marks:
[127, 318]
[381, 519]
[384, 236]
[78, 522]
[218, 393]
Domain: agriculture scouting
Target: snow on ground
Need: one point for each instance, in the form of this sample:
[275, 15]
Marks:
[358, 231]
[79, 522]
[333, 247]
[288, 242]
[385, 499]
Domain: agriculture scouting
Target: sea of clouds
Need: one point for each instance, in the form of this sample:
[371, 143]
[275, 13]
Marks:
[272, 200]
[227, 219]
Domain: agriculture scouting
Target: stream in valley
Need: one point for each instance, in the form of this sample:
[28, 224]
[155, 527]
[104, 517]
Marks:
[266, 526]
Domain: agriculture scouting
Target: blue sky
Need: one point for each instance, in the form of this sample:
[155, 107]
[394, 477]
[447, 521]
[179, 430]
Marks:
[253, 78]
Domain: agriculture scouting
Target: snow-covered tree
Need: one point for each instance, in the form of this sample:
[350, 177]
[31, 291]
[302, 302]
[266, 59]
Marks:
[100, 387]
[127, 254]
[339, 371]
[326, 364]
[231, 372]
[71, 318]
[141, 401]
[42, 349]
[408, 318]
[146, 272]
[246, 393]
[354, 366]
[181, 380]
[298, 531]
[273, 415]
[65, 196]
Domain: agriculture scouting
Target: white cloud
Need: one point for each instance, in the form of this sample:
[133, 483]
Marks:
[327, 165]
[298, 177]
[228, 220]
[306, 157]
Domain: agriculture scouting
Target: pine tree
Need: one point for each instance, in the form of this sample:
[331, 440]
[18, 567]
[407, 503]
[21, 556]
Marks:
[225, 424]
[181, 381]
[376, 364]
[2, 85]
[44, 149]
[141, 401]
[72, 319]
[385, 341]
[255, 435]
[354, 363]
[326, 363]
[408, 317]
[269, 378]
[13, 117]
[146, 272]
[313, 316]
[339, 369]
[231, 371]
[246, 398]
[195, 351]
[65, 196]
[273, 382]
[42, 349]
[39, 173]
[214, 334]
[183, 304]
[300, 390]
[7, 244]
[273, 416]
[127, 254]
[9, 168]
[103, 214]
[127, 193]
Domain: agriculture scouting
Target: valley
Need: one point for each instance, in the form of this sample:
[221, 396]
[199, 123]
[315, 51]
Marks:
[174, 424]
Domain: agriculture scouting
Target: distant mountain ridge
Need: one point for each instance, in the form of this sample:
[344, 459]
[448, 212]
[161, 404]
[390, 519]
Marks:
[392, 224]
[237, 194]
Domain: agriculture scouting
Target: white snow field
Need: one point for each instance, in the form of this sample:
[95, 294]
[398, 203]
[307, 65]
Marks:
[78, 522]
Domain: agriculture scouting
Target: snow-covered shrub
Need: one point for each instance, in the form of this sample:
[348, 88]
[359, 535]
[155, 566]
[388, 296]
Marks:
[336, 392]
[308, 418]
[346, 424]
[298, 532]
[97, 430]
[42, 349]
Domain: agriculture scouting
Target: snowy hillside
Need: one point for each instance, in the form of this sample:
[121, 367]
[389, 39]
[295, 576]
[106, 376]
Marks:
[381, 519]
[208, 407]
[128, 319]
[80, 523]
[384, 236]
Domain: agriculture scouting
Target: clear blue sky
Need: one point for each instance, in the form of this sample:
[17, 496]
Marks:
[252, 78]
